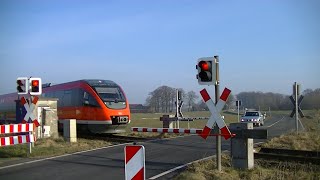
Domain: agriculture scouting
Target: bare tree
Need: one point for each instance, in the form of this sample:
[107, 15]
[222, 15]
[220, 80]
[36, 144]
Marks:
[161, 99]
[191, 98]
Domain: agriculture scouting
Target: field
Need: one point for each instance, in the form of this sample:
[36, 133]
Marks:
[308, 140]
[153, 120]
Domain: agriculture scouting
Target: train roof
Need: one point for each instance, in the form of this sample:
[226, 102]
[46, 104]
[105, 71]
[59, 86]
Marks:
[100, 82]
[91, 82]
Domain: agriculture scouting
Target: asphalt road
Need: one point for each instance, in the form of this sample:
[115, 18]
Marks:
[108, 163]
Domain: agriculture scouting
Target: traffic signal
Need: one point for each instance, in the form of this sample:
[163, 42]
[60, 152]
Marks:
[22, 85]
[206, 71]
[35, 86]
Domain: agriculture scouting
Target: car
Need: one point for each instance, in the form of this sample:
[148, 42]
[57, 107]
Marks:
[255, 117]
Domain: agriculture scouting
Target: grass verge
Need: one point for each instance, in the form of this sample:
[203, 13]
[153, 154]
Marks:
[263, 170]
[307, 140]
[49, 147]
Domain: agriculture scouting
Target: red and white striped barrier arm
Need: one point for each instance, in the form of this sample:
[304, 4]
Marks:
[215, 113]
[134, 162]
[16, 128]
[29, 108]
[167, 130]
[13, 140]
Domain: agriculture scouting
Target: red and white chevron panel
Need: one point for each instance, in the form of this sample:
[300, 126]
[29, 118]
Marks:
[215, 114]
[16, 128]
[29, 108]
[167, 130]
[134, 162]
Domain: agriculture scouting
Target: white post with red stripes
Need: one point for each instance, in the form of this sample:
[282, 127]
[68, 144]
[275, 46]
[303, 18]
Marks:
[135, 162]
[17, 139]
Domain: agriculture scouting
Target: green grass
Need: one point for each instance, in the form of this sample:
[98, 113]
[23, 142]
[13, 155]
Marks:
[153, 119]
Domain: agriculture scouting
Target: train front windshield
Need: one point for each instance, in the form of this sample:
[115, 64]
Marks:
[112, 97]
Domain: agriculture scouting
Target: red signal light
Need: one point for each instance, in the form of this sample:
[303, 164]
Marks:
[35, 83]
[204, 65]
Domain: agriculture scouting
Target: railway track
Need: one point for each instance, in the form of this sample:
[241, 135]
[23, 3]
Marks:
[289, 155]
[116, 139]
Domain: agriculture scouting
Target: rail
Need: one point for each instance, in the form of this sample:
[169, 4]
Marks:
[289, 155]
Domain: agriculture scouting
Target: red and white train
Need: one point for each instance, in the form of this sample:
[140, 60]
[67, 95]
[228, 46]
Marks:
[97, 105]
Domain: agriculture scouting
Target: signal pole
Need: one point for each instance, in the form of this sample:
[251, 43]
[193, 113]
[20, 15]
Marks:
[216, 128]
[296, 93]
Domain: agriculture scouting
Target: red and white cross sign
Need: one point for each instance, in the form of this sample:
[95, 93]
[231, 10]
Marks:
[134, 162]
[29, 108]
[215, 114]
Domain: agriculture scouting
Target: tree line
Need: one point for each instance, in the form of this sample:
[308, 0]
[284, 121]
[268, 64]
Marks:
[162, 100]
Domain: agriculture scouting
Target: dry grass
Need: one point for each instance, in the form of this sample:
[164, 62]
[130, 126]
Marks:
[50, 147]
[263, 171]
[307, 140]
[268, 170]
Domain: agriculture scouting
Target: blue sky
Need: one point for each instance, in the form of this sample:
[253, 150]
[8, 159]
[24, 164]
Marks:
[263, 45]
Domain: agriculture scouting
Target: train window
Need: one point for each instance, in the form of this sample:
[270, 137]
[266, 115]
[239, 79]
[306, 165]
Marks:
[67, 98]
[89, 100]
[77, 97]
[59, 95]
[110, 93]
[85, 95]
